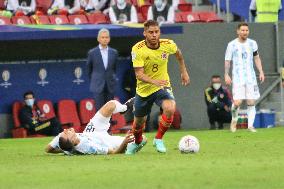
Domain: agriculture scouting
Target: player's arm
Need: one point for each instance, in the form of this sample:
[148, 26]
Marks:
[121, 149]
[227, 65]
[184, 74]
[50, 149]
[140, 75]
[53, 146]
[258, 64]
[227, 77]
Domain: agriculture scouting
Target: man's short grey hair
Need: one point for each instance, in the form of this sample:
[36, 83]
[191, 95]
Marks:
[102, 31]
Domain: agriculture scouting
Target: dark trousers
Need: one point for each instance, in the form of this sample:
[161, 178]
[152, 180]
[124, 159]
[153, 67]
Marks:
[220, 116]
[50, 127]
[102, 98]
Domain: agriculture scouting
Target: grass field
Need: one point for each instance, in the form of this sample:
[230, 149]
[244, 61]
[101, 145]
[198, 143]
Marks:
[226, 160]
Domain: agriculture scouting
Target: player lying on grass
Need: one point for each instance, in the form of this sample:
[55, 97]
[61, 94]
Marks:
[95, 138]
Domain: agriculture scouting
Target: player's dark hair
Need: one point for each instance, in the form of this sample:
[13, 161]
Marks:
[215, 76]
[65, 144]
[149, 23]
[28, 93]
[242, 24]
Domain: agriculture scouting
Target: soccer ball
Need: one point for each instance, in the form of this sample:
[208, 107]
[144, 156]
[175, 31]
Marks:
[188, 144]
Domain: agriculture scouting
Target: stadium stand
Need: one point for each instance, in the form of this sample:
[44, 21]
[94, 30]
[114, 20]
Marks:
[2, 5]
[58, 19]
[98, 18]
[185, 7]
[43, 5]
[68, 115]
[144, 10]
[40, 19]
[46, 107]
[209, 17]
[86, 111]
[190, 17]
[18, 131]
[178, 17]
[141, 19]
[21, 20]
[5, 21]
[78, 19]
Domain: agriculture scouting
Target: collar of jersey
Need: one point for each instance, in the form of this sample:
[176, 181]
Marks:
[152, 48]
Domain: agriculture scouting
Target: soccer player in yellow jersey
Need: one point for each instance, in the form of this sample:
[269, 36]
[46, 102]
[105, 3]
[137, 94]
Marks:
[150, 60]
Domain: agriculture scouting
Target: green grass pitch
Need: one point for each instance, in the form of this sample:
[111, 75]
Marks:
[226, 160]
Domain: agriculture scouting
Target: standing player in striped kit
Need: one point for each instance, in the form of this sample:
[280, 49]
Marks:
[242, 52]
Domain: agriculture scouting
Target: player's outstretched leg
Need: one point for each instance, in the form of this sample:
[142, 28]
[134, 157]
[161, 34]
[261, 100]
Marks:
[251, 115]
[235, 112]
[164, 124]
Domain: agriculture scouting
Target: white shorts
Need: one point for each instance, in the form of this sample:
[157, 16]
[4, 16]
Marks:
[98, 123]
[98, 127]
[245, 92]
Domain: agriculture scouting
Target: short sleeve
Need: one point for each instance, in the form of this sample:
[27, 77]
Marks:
[255, 47]
[172, 47]
[229, 52]
[136, 58]
[55, 142]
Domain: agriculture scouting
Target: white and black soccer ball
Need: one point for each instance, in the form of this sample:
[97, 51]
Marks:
[188, 144]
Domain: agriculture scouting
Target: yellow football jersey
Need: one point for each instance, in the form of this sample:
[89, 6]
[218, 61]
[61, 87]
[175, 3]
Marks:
[154, 62]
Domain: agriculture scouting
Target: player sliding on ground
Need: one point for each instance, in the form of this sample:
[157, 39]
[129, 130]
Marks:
[95, 138]
[150, 60]
[242, 52]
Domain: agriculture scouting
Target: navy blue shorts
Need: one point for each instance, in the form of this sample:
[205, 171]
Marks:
[143, 105]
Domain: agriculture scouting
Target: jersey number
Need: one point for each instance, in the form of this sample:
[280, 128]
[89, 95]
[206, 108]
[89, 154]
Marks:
[90, 128]
[155, 68]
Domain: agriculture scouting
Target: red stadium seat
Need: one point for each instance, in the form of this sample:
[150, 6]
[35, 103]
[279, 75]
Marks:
[87, 110]
[141, 19]
[210, 17]
[78, 19]
[58, 19]
[178, 17]
[2, 5]
[16, 107]
[97, 18]
[145, 2]
[190, 17]
[144, 10]
[67, 115]
[5, 21]
[21, 20]
[43, 5]
[40, 19]
[185, 7]
[18, 131]
[46, 107]
[119, 123]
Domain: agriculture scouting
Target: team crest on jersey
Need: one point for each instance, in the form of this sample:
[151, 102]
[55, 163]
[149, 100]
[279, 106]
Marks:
[164, 55]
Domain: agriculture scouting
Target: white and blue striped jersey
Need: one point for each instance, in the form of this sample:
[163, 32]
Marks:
[241, 56]
[89, 144]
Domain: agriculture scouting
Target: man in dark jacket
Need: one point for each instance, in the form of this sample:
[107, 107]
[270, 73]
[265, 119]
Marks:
[35, 121]
[101, 63]
[218, 101]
